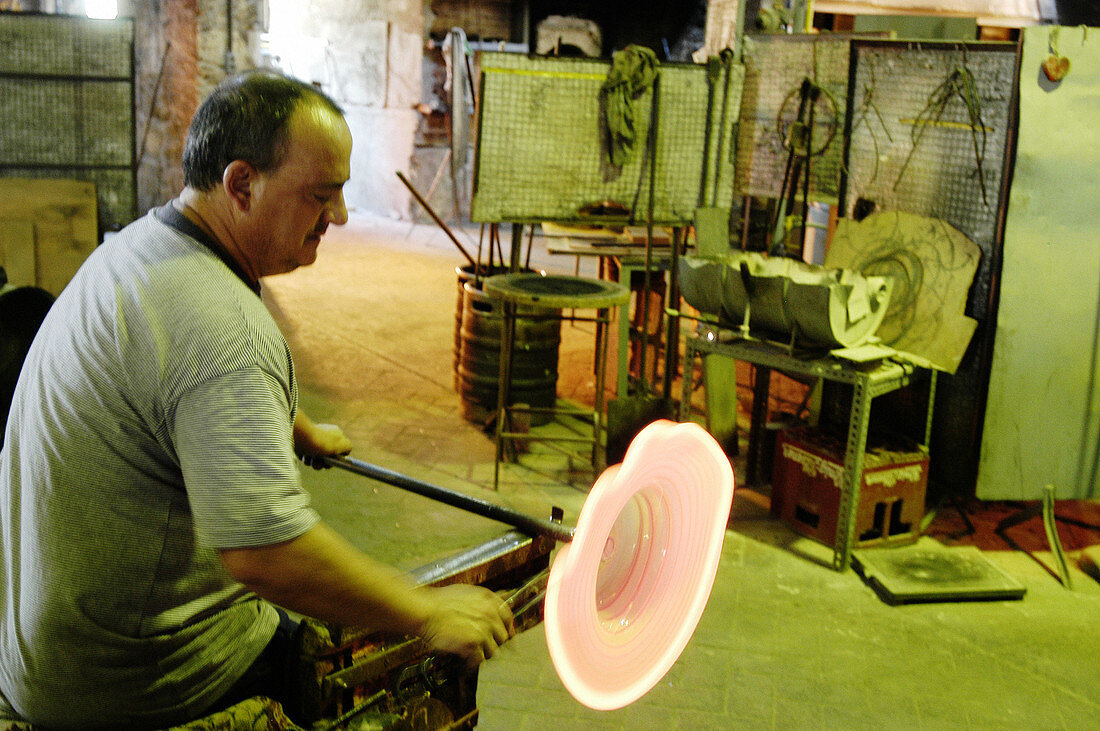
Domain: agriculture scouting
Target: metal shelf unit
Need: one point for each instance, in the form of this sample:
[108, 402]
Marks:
[868, 380]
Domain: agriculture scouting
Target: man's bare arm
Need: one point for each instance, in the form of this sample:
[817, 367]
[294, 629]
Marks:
[321, 575]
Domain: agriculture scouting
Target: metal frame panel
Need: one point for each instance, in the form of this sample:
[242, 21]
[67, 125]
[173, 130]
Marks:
[539, 153]
[910, 146]
[67, 106]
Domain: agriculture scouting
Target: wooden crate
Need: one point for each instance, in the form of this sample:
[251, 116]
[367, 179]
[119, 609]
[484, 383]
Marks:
[809, 466]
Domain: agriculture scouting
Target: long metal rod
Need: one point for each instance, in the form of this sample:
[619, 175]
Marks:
[437, 219]
[524, 522]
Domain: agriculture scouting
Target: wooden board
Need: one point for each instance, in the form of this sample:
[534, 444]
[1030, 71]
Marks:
[17, 251]
[1042, 421]
[62, 214]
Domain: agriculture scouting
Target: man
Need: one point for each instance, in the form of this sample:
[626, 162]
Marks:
[149, 490]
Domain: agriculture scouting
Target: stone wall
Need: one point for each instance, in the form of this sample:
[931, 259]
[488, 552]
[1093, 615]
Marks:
[367, 55]
[180, 55]
[165, 97]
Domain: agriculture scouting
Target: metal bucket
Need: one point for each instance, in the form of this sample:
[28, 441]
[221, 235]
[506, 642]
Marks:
[466, 274]
[534, 358]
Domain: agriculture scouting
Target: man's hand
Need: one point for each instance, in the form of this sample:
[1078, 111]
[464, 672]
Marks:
[468, 621]
[320, 574]
[316, 440]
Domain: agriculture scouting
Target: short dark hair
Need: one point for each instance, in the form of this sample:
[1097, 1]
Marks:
[244, 118]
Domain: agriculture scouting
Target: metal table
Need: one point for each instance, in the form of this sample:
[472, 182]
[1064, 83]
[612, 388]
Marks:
[868, 380]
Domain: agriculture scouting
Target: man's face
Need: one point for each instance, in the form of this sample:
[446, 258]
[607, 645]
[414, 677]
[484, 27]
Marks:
[293, 204]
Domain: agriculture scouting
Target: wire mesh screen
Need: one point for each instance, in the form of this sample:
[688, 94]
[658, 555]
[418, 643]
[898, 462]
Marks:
[61, 45]
[929, 135]
[66, 105]
[775, 66]
[540, 154]
[67, 122]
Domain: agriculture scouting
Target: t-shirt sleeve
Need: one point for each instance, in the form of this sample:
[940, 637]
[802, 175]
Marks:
[234, 439]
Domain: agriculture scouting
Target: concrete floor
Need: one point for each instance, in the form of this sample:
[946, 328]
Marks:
[785, 642]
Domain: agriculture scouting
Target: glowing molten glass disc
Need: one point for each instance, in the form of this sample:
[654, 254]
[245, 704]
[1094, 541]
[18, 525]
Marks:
[624, 597]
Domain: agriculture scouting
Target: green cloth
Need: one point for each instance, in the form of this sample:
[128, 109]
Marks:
[633, 70]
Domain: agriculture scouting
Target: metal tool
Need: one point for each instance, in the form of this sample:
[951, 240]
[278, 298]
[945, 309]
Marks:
[800, 146]
[628, 415]
[437, 219]
[526, 523]
[347, 677]
[712, 221]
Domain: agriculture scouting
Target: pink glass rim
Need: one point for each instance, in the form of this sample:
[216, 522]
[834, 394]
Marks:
[678, 485]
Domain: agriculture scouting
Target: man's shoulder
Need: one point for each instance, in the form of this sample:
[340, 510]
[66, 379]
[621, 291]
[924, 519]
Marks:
[174, 270]
[197, 312]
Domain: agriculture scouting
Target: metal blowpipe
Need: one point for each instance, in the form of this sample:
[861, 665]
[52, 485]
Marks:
[525, 523]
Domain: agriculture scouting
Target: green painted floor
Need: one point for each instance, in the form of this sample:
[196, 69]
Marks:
[785, 641]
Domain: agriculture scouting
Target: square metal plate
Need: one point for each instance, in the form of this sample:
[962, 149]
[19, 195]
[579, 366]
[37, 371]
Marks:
[928, 571]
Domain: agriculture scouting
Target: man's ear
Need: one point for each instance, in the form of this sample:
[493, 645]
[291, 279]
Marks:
[237, 181]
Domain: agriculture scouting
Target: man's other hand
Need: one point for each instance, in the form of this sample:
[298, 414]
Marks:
[317, 440]
[468, 621]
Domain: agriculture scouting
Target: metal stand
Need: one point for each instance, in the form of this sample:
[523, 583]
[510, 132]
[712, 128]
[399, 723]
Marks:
[1050, 525]
[552, 293]
[629, 260]
[867, 381]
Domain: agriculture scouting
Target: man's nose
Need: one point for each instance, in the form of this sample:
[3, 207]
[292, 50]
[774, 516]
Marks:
[337, 211]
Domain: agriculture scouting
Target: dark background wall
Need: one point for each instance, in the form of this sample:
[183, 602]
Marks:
[656, 24]
[1078, 12]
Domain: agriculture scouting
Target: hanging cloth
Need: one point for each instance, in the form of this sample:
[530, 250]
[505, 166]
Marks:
[633, 70]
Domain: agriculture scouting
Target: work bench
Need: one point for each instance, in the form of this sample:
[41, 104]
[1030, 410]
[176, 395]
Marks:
[868, 380]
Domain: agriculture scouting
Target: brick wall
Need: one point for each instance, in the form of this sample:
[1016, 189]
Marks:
[180, 55]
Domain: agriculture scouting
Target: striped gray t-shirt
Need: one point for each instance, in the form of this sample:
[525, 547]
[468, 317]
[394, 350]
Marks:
[152, 425]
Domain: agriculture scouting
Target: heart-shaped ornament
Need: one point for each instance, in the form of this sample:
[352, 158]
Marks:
[1056, 67]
